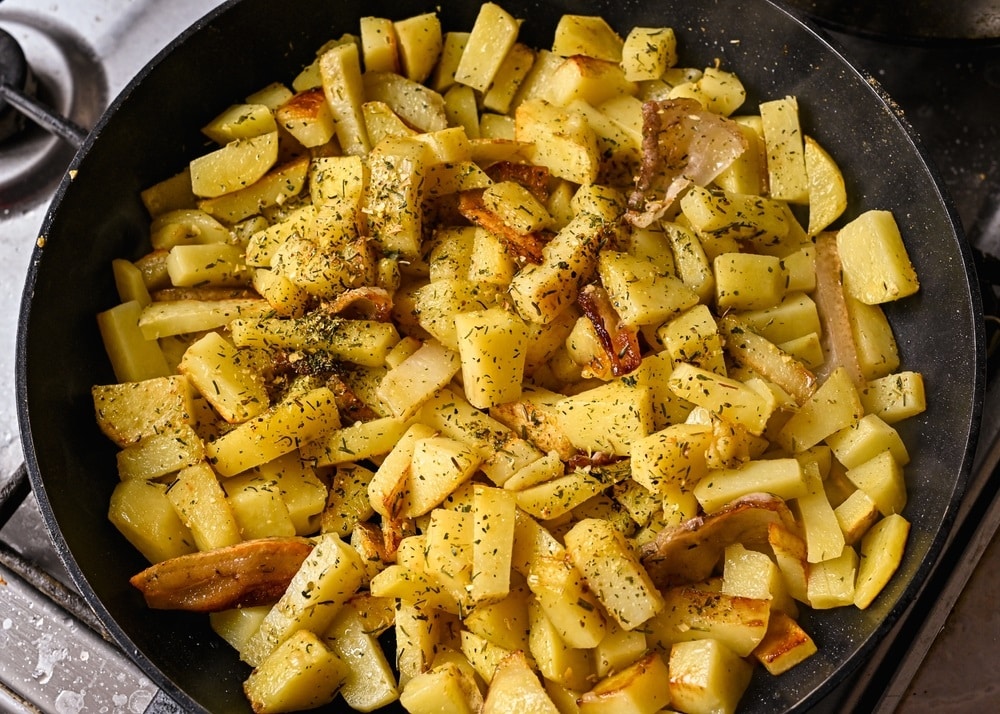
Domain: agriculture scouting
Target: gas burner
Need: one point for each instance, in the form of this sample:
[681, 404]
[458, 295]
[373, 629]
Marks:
[51, 73]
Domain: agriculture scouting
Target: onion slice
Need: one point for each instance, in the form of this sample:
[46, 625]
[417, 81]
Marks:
[838, 337]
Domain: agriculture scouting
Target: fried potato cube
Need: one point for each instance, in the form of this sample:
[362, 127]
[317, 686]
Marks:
[554, 659]
[835, 405]
[613, 572]
[393, 198]
[236, 165]
[693, 336]
[438, 466]
[562, 142]
[748, 281]
[416, 104]
[783, 477]
[609, 417]
[706, 676]
[786, 164]
[824, 538]
[142, 512]
[379, 44]
[178, 317]
[878, 353]
[562, 592]
[218, 371]
[827, 191]
[640, 291]
[340, 73]
[493, 35]
[750, 573]
[492, 346]
[691, 613]
[730, 399]
[128, 411]
[856, 514]
[362, 342]
[648, 52]
[867, 438]
[493, 514]
[133, 356]
[785, 645]
[444, 687]
[161, 453]
[329, 576]
[258, 507]
[201, 503]
[405, 387]
[300, 674]
[419, 43]
[881, 553]
[503, 451]
[588, 79]
[874, 259]
[717, 90]
[307, 117]
[369, 683]
[636, 688]
[504, 622]
[586, 35]
[673, 456]
[832, 582]
[511, 74]
[895, 396]
[483, 655]
[881, 477]
[279, 430]
[355, 442]
[281, 183]
[796, 315]
[514, 680]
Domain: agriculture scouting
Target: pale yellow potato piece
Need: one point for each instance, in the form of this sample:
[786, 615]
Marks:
[881, 553]
[586, 35]
[827, 191]
[705, 676]
[340, 72]
[201, 503]
[493, 35]
[279, 430]
[636, 688]
[648, 52]
[419, 41]
[876, 265]
[300, 674]
[143, 513]
[379, 44]
[236, 165]
[785, 645]
[786, 164]
[215, 368]
[613, 572]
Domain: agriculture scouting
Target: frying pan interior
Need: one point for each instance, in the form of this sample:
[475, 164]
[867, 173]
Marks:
[152, 130]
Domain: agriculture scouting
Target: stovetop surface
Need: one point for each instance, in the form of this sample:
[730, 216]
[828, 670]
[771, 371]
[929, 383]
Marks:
[949, 92]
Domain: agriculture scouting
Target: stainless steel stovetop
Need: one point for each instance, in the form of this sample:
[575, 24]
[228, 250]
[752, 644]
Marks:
[53, 655]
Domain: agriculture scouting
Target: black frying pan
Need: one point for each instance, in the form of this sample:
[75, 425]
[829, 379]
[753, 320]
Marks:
[153, 129]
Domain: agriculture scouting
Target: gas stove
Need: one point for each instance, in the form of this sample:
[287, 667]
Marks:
[54, 656]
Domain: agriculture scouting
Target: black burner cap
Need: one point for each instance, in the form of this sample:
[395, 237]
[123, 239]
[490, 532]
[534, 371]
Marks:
[14, 72]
